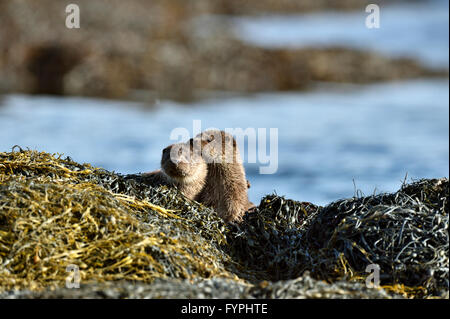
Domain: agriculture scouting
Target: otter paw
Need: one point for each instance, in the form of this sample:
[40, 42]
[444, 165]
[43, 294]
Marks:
[233, 214]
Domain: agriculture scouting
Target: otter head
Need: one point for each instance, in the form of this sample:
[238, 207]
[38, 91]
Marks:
[218, 147]
[182, 163]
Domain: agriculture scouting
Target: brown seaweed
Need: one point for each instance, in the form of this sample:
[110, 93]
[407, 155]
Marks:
[55, 212]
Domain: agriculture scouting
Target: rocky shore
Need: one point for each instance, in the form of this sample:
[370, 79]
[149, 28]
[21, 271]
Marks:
[129, 240]
[150, 50]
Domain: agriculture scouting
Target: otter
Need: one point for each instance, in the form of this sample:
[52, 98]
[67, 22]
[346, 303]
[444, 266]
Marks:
[226, 184]
[207, 169]
[182, 167]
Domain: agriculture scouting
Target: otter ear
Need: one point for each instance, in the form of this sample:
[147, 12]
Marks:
[196, 144]
[208, 137]
[248, 184]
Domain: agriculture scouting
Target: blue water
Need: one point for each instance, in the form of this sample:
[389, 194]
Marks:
[373, 134]
[418, 30]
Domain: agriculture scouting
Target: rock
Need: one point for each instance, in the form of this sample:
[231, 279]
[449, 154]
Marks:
[120, 234]
[123, 49]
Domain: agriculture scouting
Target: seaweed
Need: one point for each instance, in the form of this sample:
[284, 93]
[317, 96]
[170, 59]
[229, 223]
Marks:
[222, 288]
[269, 242]
[405, 233]
[55, 212]
[122, 232]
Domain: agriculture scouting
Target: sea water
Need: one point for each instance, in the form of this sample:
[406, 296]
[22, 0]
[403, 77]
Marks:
[329, 141]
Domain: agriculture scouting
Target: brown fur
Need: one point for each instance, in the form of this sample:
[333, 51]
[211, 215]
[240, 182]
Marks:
[188, 176]
[226, 185]
[209, 176]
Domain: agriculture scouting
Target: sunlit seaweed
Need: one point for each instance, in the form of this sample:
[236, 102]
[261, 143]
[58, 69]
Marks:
[55, 212]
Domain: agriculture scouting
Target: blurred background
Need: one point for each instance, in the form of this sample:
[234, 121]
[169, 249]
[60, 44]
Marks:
[354, 107]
